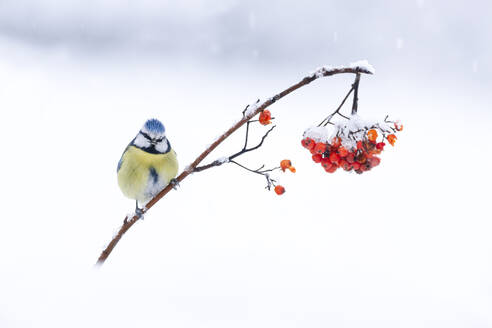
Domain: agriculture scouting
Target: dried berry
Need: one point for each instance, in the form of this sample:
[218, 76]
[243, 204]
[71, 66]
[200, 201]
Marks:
[391, 139]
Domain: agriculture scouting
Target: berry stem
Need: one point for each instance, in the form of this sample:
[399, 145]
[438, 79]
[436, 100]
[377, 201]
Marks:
[327, 120]
[354, 87]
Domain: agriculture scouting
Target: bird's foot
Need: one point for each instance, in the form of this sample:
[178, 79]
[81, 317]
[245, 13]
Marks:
[139, 213]
[174, 183]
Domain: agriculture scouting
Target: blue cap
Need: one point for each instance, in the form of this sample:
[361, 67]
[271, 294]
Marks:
[154, 126]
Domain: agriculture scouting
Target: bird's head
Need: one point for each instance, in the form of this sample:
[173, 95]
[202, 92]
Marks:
[152, 137]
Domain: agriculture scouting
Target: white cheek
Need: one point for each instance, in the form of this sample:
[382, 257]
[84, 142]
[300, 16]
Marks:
[161, 146]
[141, 141]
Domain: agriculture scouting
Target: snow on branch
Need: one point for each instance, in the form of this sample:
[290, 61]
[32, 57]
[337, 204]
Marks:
[361, 66]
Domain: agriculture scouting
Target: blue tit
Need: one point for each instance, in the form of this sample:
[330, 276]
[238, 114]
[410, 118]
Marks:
[148, 164]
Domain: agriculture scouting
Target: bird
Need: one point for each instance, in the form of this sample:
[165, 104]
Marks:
[147, 165]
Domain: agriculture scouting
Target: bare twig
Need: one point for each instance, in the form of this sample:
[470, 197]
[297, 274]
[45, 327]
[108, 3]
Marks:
[270, 181]
[337, 111]
[129, 222]
[245, 149]
[230, 159]
[355, 86]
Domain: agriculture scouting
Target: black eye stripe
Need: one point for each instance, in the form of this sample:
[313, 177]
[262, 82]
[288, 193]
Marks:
[146, 136]
[149, 138]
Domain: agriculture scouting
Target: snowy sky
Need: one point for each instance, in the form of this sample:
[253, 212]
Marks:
[405, 245]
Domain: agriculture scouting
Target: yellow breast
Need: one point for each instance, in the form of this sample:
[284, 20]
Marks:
[142, 175]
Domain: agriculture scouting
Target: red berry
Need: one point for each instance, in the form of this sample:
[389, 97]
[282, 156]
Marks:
[265, 117]
[317, 158]
[356, 166]
[336, 142]
[350, 158]
[335, 158]
[331, 169]
[374, 161]
[380, 145]
[325, 162]
[320, 148]
[308, 143]
[342, 151]
[279, 190]
[345, 165]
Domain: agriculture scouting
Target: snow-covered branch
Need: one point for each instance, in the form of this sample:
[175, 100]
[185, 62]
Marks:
[248, 114]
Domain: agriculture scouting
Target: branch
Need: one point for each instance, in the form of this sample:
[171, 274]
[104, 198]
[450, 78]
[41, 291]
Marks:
[245, 149]
[248, 114]
[230, 159]
[355, 86]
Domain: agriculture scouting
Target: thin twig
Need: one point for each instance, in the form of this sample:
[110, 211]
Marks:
[270, 181]
[219, 162]
[355, 86]
[337, 111]
[129, 222]
[346, 117]
[245, 150]
[257, 171]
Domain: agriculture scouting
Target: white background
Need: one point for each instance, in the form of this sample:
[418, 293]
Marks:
[404, 245]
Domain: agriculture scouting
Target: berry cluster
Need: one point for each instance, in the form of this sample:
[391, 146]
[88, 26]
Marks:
[357, 152]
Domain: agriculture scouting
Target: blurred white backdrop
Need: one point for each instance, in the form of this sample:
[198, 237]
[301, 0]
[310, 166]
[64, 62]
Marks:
[405, 245]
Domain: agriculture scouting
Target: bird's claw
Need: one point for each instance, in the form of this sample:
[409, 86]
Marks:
[139, 213]
[174, 183]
